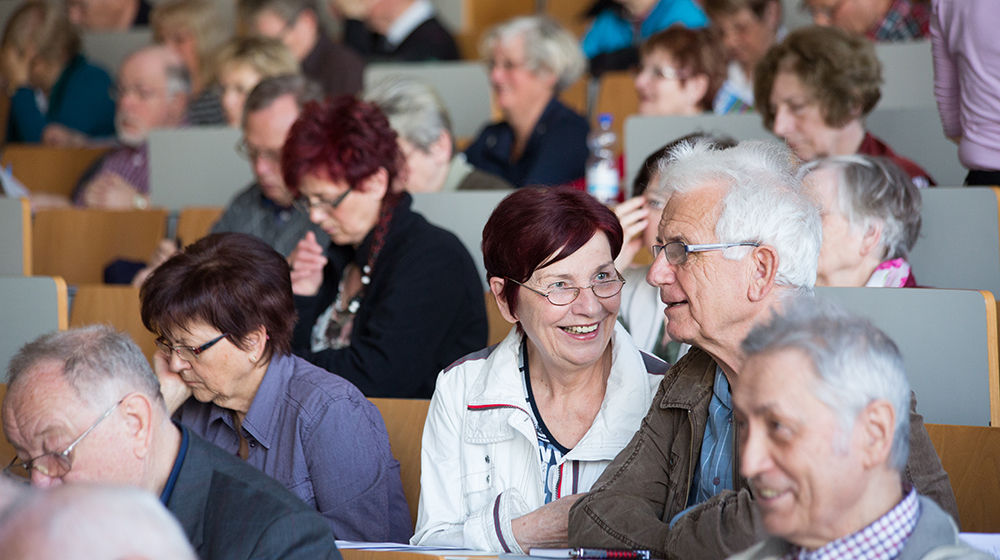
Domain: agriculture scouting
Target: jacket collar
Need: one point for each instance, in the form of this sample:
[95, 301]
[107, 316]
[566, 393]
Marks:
[690, 381]
[499, 389]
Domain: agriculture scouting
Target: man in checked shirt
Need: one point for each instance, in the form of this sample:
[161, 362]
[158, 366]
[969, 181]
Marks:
[821, 410]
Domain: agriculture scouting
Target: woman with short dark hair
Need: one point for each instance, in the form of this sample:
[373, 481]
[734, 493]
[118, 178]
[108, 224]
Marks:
[814, 89]
[517, 431]
[680, 71]
[223, 313]
[394, 299]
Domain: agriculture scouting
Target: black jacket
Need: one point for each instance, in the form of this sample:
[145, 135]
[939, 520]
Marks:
[423, 309]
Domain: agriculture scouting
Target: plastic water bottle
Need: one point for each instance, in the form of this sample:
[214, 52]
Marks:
[602, 166]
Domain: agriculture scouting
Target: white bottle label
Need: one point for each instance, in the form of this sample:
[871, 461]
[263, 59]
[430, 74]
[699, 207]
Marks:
[602, 181]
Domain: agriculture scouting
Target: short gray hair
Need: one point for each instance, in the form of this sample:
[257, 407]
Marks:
[84, 521]
[414, 108]
[856, 363]
[764, 202]
[548, 47]
[97, 361]
[874, 189]
[268, 90]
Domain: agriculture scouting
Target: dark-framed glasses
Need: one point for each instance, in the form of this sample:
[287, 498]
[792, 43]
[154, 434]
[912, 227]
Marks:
[306, 205]
[188, 353]
[567, 295]
[252, 153]
[676, 252]
[58, 463]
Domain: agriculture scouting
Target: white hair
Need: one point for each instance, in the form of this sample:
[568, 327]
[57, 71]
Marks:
[85, 522]
[875, 190]
[414, 109]
[764, 202]
[856, 363]
[548, 47]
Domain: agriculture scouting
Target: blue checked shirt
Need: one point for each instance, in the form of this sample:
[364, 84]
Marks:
[714, 472]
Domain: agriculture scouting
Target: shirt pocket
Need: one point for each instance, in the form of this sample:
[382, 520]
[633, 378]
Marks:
[479, 477]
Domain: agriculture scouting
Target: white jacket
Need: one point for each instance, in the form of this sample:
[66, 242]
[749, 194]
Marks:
[480, 465]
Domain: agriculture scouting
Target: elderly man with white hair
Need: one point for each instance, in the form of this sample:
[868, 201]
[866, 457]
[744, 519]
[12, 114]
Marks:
[738, 236]
[821, 418]
[91, 522]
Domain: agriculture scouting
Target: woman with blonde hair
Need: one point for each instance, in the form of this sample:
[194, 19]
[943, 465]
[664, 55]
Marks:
[193, 29]
[40, 60]
[242, 64]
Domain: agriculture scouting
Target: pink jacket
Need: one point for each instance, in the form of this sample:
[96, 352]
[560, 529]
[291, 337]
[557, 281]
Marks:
[967, 77]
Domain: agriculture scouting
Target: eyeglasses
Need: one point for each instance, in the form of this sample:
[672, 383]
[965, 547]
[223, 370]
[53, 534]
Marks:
[188, 353]
[119, 92]
[253, 154]
[505, 65]
[566, 296]
[677, 252]
[306, 205]
[58, 463]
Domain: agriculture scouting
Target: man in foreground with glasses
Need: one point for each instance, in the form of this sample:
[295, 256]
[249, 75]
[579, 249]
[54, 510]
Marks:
[265, 209]
[737, 237]
[84, 406]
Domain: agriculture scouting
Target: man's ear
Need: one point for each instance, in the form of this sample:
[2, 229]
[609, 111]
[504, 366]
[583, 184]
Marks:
[763, 272]
[496, 286]
[878, 424]
[138, 412]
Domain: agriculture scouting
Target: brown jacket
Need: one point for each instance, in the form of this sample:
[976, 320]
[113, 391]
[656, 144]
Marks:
[649, 482]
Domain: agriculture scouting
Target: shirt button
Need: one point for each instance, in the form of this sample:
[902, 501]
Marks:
[715, 481]
[487, 458]
[487, 479]
[254, 444]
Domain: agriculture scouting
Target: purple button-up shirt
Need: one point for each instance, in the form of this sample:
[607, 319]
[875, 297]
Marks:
[319, 436]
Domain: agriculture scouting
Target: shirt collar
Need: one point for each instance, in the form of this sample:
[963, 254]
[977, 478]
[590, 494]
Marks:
[419, 12]
[721, 389]
[882, 540]
[261, 420]
[168, 489]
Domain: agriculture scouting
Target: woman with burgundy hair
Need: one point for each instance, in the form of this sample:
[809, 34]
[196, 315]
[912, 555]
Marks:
[393, 299]
[516, 432]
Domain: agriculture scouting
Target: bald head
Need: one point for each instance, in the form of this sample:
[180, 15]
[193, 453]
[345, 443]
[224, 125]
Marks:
[153, 89]
[85, 522]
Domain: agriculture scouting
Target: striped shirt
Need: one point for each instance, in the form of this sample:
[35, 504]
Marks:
[904, 21]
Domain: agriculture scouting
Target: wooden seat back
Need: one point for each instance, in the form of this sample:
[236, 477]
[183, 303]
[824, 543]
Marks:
[118, 306]
[404, 421]
[46, 169]
[971, 457]
[195, 222]
[78, 244]
[7, 452]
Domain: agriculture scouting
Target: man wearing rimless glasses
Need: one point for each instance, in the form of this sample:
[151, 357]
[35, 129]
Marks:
[738, 236]
[84, 406]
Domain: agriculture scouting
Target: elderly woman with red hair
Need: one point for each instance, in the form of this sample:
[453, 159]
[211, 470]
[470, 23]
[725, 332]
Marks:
[394, 299]
[517, 431]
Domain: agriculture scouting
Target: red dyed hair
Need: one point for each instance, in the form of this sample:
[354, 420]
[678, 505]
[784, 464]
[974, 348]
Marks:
[532, 224]
[342, 139]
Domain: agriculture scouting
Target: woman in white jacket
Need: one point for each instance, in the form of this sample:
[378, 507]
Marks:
[517, 431]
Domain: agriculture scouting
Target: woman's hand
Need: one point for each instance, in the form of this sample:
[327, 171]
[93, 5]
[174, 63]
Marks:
[634, 217]
[547, 526]
[307, 262]
[174, 390]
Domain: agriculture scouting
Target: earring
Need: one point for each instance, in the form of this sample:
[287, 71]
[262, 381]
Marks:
[253, 359]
